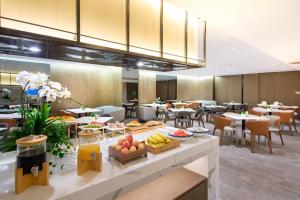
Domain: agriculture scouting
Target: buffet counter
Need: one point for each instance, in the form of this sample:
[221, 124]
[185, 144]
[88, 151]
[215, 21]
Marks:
[199, 154]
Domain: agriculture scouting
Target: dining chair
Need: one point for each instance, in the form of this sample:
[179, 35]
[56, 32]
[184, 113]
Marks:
[253, 112]
[10, 123]
[66, 113]
[274, 126]
[259, 128]
[169, 116]
[198, 116]
[180, 105]
[287, 118]
[184, 118]
[194, 106]
[223, 124]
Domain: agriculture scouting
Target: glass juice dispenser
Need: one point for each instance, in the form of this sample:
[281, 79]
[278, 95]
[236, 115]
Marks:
[32, 168]
[89, 153]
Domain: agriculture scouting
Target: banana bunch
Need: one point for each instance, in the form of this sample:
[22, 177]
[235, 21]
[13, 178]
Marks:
[157, 140]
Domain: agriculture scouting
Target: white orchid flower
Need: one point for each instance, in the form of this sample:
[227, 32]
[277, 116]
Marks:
[55, 85]
[23, 78]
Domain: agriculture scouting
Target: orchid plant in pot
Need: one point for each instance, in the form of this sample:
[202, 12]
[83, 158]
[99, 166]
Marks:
[35, 120]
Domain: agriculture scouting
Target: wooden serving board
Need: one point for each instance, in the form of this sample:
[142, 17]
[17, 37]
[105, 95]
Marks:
[137, 128]
[123, 158]
[155, 127]
[157, 150]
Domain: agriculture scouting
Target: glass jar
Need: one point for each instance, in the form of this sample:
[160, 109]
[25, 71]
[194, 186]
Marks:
[89, 144]
[31, 153]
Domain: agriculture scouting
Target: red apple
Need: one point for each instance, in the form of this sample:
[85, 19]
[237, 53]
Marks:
[120, 141]
[125, 144]
[125, 151]
[129, 138]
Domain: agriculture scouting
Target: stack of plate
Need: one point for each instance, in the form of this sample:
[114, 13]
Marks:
[198, 131]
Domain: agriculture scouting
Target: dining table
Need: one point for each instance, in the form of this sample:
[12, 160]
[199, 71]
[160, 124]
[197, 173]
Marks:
[266, 110]
[233, 105]
[87, 120]
[243, 118]
[80, 111]
[178, 110]
[11, 116]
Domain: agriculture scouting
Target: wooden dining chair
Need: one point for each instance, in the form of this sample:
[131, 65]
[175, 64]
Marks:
[259, 128]
[66, 113]
[253, 112]
[222, 123]
[184, 118]
[9, 123]
[287, 118]
[194, 106]
[274, 126]
[169, 116]
[198, 116]
[180, 105]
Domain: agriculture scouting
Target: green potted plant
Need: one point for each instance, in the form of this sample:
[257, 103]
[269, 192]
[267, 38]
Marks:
[35, 120]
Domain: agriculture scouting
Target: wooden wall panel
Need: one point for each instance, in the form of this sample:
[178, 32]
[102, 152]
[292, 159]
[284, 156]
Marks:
[93, 86]
[189, 88]
[280, 87]
[147, 86]
[228, 88]
[251, 89]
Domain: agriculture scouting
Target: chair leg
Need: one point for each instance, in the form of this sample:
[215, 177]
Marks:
[203, 123]
[243, 138]
[214, 131]
[270, 135]
[252, 141]
[290, 128]
[269, 143]
[294, 123]
[281, 138]
[222, 137]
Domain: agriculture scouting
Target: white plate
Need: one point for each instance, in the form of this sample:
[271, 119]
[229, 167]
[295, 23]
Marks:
[197, 130]
[181, 138]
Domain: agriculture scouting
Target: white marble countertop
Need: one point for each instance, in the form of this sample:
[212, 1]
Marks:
[115, 176]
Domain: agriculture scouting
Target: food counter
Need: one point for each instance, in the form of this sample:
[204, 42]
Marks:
[199, 154]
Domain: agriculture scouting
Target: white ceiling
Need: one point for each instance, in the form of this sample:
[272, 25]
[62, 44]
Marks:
[247, 36]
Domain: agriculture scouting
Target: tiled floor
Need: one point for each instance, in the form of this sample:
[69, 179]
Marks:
[260, 175]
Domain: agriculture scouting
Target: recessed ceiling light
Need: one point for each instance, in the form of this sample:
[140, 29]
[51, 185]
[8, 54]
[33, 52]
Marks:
[34, 49]
[140, 64]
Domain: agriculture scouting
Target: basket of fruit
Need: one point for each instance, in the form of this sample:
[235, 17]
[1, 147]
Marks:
[181, 135]
[158, 143]
[127, 149]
